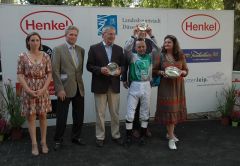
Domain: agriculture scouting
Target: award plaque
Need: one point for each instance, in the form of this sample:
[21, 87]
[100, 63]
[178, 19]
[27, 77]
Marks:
[172, 71]
[142, 26]
[112, 67]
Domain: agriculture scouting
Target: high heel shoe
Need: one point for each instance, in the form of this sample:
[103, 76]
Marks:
[35, 151]
[172, 145]
[44, 148]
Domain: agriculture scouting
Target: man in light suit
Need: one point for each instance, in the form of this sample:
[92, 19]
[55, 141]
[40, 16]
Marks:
[106, 86]
[67, 64]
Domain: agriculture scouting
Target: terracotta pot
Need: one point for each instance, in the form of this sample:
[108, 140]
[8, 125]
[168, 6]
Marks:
[225, 121]
[16, 134]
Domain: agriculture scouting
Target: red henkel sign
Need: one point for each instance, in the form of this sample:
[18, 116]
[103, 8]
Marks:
[49, 24]
[200, 26]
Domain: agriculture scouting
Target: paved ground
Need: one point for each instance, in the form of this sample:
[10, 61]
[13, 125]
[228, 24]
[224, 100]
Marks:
[202, 143]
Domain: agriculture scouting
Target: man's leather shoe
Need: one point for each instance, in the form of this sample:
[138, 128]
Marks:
[118, 141]
[136, 134]
[57, 146]
[142, 141]
[148, 133]
[78, 141]
[127, 142]
[99, 143]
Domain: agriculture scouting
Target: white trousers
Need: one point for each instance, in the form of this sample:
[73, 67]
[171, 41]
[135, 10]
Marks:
[139, 91]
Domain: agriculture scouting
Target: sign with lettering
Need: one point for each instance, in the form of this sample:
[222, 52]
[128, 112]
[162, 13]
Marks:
[206, 38]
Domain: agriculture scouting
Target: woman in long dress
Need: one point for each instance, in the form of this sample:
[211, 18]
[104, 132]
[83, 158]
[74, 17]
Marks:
[171, 101]
[35, 74]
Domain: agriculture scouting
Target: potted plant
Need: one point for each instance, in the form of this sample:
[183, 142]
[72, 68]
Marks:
[13, 108]
[226, 102]
[235, 117]
[3, 128]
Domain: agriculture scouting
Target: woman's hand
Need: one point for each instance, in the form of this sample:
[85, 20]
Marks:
[183, 73]
[40, 92]
[162, 73]
[32, 93]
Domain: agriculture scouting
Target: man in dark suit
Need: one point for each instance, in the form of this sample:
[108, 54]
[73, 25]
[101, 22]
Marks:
[106, 85]
[67, 62]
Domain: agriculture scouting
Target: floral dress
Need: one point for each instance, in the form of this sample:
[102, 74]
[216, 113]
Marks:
[171, 101]
[35, 75]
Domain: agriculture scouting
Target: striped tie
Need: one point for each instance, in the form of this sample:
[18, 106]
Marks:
[74, 56]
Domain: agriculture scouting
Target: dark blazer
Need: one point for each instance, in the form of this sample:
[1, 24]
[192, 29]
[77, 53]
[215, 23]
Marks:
[97, 58]
[65, 75]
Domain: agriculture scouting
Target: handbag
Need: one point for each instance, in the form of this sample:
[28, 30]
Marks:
[157, 79]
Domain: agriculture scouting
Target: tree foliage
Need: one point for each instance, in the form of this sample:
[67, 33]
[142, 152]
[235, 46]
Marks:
[113, 3]
[185, 4]
[180, 4]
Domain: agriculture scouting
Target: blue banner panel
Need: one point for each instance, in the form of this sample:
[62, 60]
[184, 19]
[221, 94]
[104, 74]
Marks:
[202, 55]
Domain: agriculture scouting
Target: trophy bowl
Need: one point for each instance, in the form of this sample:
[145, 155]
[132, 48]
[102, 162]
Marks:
[112, 67]
[172, 71]
[142, 26]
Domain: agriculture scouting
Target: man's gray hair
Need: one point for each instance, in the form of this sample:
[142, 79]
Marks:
[106, 28]
[71, 27]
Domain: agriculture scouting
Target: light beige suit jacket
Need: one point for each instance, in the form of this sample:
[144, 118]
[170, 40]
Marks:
[65, 75]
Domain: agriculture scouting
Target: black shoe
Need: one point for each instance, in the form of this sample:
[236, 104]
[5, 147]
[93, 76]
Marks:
[142, 141]
[57, 146]
[99, 143]
[78, 141]
[127, 142]
[118, 141]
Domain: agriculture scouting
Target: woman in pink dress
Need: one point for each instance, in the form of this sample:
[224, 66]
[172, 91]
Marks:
[171, 101]
[35, 74]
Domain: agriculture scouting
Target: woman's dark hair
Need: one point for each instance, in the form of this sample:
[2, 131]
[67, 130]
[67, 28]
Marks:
[176, 48]
[28, 38]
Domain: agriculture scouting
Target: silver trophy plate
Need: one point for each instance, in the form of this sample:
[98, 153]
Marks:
[142, 26]
[112, 67]
[172, 71]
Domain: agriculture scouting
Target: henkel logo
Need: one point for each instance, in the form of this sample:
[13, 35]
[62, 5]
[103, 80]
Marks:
[200, 26]
[49, 24]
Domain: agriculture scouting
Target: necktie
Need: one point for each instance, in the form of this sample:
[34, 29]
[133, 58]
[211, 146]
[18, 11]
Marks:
[74, 56]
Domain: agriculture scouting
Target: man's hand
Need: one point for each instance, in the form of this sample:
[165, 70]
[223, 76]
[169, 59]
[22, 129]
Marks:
[118, 72]
[149, 31]
[126, 84]
[105, 71]
[62, 95]
[135, 31]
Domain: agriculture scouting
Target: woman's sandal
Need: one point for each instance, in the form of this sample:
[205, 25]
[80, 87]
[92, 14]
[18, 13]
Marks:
[35, 151]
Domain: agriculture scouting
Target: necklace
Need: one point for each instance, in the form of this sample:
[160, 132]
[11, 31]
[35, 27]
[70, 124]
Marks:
[36, 60]
[170, 58]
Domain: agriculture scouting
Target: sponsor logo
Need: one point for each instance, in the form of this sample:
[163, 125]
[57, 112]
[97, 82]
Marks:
[214, 79]
[200, 26]
[202, 55]
[103, 20]
[49, 24]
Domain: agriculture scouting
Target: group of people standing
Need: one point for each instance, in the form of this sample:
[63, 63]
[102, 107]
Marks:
[137, 62]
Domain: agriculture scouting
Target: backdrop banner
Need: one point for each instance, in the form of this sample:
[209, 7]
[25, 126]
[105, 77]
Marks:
[205, 36]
